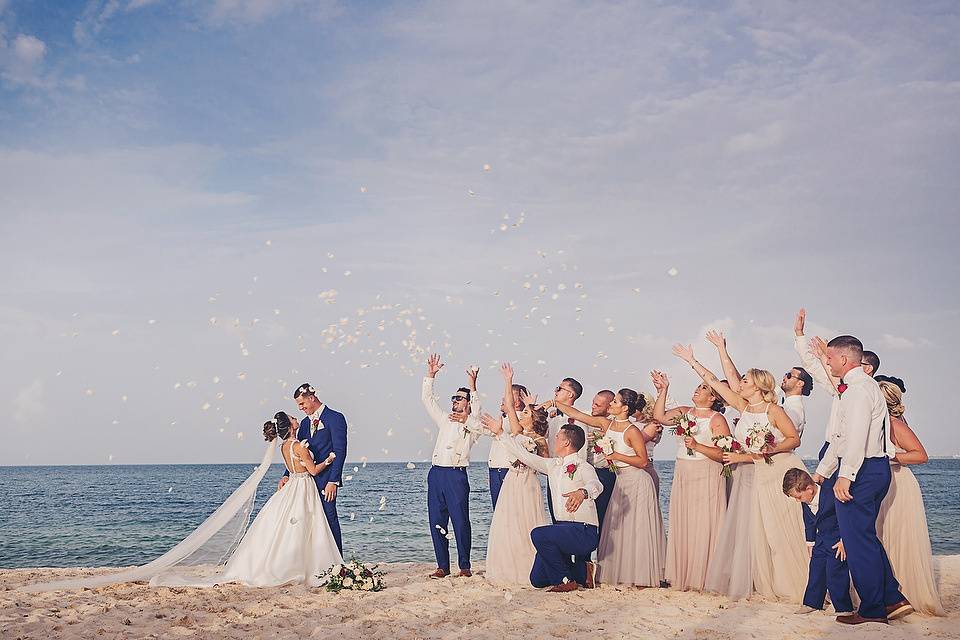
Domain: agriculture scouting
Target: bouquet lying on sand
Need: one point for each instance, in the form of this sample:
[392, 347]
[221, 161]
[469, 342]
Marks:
[353, 576]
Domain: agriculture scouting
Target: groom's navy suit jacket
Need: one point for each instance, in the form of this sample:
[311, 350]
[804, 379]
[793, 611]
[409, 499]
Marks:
[332, 437]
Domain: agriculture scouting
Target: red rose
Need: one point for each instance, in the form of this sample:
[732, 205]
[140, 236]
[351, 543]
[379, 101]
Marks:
[747, 441]
[571, 468]
[770, 439]
[316, 422]
[841, 388]
[691, 423]
[735, 446]
[597, 448]
[680, 431]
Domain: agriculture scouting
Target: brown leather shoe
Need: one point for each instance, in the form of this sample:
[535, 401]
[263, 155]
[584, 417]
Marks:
[465, 573]
[899, 610]
[591, 575]
[563, 587]
[859, 619]
[439, 573]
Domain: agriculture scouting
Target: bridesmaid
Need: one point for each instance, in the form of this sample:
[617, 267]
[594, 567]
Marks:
[519, 510]
[698, 496]
[632, 545]
[652, 432]
[763, 532]
[902, 523]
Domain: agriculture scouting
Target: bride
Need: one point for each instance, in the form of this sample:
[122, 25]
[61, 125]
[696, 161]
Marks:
[288, 542]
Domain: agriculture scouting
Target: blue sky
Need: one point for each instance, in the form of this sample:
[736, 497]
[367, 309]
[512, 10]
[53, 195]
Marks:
[315, 191]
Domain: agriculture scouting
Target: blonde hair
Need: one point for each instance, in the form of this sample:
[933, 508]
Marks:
[765, 382]
[894, 398]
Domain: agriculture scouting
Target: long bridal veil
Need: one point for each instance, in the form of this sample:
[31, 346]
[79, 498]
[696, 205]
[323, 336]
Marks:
[200, 555]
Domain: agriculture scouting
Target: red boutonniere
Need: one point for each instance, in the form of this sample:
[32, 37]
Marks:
[571, 469]
[841, 388]
[316, 422]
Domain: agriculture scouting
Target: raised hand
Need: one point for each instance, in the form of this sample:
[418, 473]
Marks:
[819, 347]
[716, 339]
[685, 353]
[506, 370]
[434, 365]
[660, 381]
[493, 425]
[799, 322]
[528, 399]
[472, 374]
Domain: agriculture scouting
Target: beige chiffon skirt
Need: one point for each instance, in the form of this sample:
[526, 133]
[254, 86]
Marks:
[902, 528]
[730, 571]
[779, 549]
[698, 502]
[632, 544]
[510, 551]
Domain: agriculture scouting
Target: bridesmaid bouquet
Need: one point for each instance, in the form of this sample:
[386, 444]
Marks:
[758, 438]
[684, 426]
[530, 446]
[354, 576]
[728, 445]
[601, 447]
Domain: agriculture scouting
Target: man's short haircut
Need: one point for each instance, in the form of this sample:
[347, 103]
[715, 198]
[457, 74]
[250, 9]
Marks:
[574, 435]
[606, 393]
[306, 389]
[848, 343]
[466, 391]
[873, 359]
[576, 386]
[807, 380]
[796, 480]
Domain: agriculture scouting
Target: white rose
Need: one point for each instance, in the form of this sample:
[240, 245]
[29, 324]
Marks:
[367, 586]
[336, 570]
[347, 583]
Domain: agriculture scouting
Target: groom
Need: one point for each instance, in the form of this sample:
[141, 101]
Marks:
[325, 431]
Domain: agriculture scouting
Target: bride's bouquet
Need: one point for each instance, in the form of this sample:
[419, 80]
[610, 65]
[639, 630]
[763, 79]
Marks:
[600, 447]
[728, 445]
[758, 438]
[353, 576]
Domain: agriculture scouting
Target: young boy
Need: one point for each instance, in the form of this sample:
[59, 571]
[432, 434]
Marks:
[828, 561]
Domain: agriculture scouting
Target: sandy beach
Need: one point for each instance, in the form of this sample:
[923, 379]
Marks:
[413, 606]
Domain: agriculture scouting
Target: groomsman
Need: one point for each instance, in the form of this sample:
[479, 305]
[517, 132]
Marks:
[567, 392]
[498, 461]
[448, 489]
[563, 549]
[796, 385]
[857, 461]
[600, 407]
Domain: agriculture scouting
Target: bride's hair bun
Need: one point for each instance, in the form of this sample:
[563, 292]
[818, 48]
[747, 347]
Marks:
[278, 427]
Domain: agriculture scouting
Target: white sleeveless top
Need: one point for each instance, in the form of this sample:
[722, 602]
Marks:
[620, 445]
[704, 436]
[750, 420]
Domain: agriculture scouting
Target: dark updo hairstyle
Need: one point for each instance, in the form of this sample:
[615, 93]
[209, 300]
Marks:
[279, 426]
[634, 401]
[539, 415]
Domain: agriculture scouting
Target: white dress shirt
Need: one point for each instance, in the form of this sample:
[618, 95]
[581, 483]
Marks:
[584, 477]
[862, 424]
[455, 439]
[821, 379]
[793, 407]
[498, 458]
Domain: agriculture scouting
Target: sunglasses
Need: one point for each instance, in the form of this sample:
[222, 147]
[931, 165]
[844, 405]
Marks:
[455, 398]
[788, 374]
[558, 389]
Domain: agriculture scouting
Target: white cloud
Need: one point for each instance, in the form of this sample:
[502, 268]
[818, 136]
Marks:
[21, 61]
[28, 407]
[766, 137]
[890, 341]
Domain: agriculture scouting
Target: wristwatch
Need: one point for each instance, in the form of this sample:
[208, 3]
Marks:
[586, 494]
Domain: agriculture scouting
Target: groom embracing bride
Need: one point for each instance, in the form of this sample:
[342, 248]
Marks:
[325, 432]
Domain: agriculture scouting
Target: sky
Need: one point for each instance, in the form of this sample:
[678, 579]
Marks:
[204, 204]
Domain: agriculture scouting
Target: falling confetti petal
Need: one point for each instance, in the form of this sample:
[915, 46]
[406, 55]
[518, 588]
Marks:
[363, 189]
[487, 167]
[239, 435]
[169, 489]
[115, 332]
[672, 272]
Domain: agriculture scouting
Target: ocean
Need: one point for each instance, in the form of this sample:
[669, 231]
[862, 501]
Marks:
[93, 516]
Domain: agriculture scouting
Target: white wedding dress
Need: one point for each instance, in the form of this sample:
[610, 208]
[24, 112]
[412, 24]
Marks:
[288, 542]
